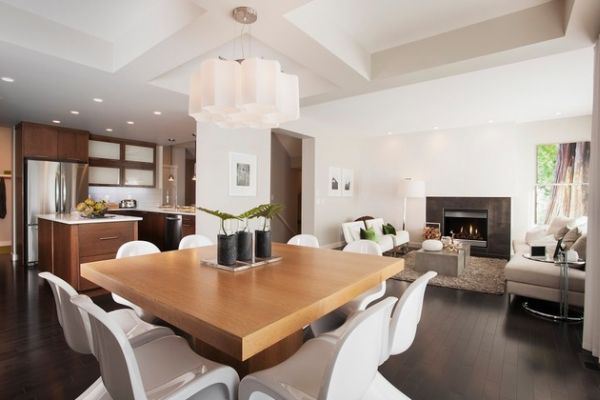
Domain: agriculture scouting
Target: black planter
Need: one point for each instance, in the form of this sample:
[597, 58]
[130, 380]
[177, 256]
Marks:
[263, 244]
[244, 246]
[227, 249]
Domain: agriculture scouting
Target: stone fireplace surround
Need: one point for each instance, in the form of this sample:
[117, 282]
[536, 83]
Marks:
[498, 214]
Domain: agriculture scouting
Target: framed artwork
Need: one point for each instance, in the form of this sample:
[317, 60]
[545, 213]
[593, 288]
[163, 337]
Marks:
[242, 174]
[347, 182]
[335, 181]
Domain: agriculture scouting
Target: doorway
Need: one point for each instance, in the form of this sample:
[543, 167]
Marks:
[286, 183]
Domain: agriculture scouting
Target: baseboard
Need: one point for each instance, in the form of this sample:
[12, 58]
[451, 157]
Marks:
[335, 245]
[5, 243]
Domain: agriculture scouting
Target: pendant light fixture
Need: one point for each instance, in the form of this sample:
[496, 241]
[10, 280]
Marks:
[249, 92]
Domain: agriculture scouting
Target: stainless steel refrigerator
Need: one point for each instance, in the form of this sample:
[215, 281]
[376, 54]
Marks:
[51, 187]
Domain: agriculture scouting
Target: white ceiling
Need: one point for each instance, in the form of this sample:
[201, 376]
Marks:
[138, 55]
[551, 87]
[106, 19]
[390, 23]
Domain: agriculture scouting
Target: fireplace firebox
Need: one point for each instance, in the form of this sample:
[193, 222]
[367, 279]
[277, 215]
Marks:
[470, 226]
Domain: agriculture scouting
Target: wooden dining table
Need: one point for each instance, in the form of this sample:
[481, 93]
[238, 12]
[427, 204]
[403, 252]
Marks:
[250, 319]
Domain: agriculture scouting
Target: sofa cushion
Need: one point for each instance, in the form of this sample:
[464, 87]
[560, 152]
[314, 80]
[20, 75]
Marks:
[376, 224]
[536, 233]
[368, 234]
[521, 269]
[558, 223]
[571, 237]
[351, 231]
[580, 247]
[388, 229]
[561, 232]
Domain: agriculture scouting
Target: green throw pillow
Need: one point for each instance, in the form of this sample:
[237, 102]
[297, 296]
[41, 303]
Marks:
[368, 234]
[388, 229]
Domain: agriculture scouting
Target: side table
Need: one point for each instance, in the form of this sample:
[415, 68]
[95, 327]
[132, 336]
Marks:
[563, 313]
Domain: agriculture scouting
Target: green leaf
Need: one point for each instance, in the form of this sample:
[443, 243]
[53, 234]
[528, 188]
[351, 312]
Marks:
[269, 211]
[219, 214]
[253, 212]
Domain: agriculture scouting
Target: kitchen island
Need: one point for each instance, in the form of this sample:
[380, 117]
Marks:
[67, 240]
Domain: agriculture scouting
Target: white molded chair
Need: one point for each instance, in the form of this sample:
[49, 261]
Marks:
[77, 330]
[337, 317]
[131, 249]
[402, 331]
[305, 240]
[165, 368]
[192, 241]
[327, 370]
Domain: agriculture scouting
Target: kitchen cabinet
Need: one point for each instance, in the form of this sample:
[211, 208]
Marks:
[188, 225]
[66, 243]
[152, 227]
[53, 143]
[120, 162]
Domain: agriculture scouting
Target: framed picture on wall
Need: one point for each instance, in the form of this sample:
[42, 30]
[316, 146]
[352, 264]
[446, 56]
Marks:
[347, 182]
[242, 174]
[335, 181]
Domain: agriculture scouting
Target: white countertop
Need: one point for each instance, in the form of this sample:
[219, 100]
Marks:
[76, 219]
[154, 209]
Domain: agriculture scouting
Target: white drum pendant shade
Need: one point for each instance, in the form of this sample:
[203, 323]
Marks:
[255, 94]
[260, 79]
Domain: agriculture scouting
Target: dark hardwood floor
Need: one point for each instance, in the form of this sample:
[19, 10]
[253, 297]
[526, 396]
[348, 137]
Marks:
[469, 346]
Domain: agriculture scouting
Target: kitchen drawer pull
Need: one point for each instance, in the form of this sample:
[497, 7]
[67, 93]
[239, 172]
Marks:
[109, 237]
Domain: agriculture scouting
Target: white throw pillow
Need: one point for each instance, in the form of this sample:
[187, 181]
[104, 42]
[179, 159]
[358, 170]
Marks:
[558, 223]
[536, 233]
[355, 232]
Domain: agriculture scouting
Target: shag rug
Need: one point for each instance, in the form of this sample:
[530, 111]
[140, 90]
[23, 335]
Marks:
[482, 274]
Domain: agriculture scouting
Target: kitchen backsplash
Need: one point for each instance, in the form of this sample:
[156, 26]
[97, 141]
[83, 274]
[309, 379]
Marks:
[145, 197]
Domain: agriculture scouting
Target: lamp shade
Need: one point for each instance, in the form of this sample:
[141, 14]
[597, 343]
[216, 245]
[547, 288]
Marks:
[411, 188]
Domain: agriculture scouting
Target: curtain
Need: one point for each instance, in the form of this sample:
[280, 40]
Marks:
[572, 167]
[591, 324]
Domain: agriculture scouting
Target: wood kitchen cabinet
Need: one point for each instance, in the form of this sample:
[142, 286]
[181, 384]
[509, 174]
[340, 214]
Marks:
[64, 246]
[49, 142]
[188, 225]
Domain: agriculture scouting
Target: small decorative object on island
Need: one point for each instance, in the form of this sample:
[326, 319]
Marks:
[92, 209]
[263, 236]
[226, 242]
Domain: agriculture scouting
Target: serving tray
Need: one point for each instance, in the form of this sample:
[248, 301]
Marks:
[241, 265]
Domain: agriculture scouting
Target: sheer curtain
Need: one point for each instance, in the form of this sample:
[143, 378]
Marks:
[591, 324]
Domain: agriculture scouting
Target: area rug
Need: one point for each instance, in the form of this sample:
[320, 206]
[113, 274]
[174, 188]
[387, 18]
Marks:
[482, 274]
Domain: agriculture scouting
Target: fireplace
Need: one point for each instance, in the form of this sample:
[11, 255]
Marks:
[482, 221]
[470, 226]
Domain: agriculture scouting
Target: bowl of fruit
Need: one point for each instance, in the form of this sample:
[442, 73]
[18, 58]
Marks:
[92, 209]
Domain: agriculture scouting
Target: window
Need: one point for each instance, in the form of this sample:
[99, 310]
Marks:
[562, 185]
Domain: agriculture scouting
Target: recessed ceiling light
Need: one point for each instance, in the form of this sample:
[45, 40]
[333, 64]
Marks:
[171, 139]
[56, 121]
[108, 129]
[130, 122]
[157, 112]
[74, 112]
[98, 100]
[435, 128]
[7, 79]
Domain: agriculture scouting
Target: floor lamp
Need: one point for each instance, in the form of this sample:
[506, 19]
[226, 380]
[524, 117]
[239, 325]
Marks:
[410, 188]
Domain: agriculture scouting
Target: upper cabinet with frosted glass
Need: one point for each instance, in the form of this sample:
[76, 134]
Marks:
[118, 162]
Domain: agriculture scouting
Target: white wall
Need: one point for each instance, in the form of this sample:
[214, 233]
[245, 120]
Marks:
[212, 163]
[491, 160]
[330, 212]
[6, 165]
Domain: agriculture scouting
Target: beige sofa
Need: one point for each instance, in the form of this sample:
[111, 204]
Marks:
[537, 279]
[351, 231]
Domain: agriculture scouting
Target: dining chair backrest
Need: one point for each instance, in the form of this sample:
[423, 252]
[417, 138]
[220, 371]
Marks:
[305, 240]
[192, 241]
[407, 315]
[357, 353]
[364, 247]
[76, 327]
[136, 248]
[118, 365]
